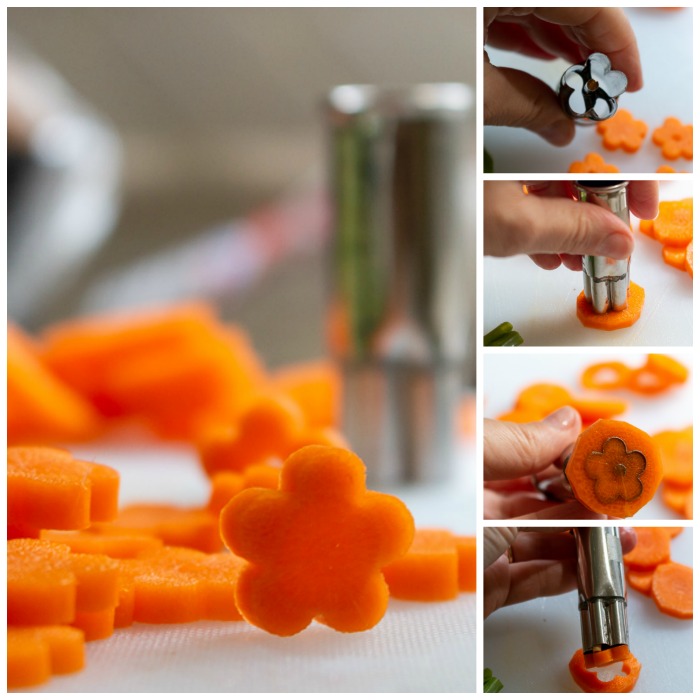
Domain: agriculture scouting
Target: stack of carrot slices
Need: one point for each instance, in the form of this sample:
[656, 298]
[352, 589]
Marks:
[650, 570]
[673, 228]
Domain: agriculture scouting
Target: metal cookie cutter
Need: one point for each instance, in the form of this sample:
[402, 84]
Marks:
[588, 91]
[601, 589]
[606, 281]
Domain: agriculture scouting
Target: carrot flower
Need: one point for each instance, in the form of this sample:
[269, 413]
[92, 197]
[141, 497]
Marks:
[616, 471]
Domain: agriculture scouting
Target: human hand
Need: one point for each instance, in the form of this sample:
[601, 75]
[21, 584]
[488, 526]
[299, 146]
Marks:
[514, 453]
[515, 98]
[549, 226]
[525, 563]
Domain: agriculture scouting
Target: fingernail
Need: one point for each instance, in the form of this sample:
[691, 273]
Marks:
[563, 418]
[617, 245]
[560, 133]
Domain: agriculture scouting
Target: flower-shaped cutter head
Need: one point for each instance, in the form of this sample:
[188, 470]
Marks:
[588, 91]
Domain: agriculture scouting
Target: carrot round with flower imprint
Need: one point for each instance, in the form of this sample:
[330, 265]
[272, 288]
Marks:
[316, 546]
[614, 469]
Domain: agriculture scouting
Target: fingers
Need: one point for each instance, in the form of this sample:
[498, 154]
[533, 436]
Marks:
[535, 544]
[515, 98]
[496, 541]
[512, 450]
[571, 510]
[535, 579]
[643, 198]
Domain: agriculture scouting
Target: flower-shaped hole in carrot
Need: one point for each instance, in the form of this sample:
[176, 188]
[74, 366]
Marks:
[616, 471]
[316, 546]
[675, 139]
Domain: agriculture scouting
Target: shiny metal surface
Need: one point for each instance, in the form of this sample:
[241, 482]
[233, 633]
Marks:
[601, 586]
[606, 280]
[402, 274]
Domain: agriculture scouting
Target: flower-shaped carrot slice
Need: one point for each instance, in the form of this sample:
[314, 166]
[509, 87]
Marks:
[674, 223]
[675, 139]
[35, 653]
[614, 469]
[316, 546]
[49, 488]
[623, 131]
[592, 163]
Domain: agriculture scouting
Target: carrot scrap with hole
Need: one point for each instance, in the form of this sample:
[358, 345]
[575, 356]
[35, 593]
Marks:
[612, 320]
[676, 448]
[623, 131]
[34, 654]
[466, 556]
[675, 139]
[672, 589]
[653, 548]
[315, 386]
[614, 469]
[268, 429]
[668, 367]
[177, 585]
[606, 375]
[40, 407]
[49, 488]
[178, 526]
[589, 681]
[429, 571]
[592, 163]
[639, 580]
[316, 546]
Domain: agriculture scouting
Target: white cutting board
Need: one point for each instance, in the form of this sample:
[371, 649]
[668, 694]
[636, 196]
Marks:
[528, 646]
[541, 304]
[665, 44]
[506, 375]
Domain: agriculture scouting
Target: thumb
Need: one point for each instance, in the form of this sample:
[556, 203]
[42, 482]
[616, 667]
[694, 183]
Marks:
[515, 98]
[512, 450]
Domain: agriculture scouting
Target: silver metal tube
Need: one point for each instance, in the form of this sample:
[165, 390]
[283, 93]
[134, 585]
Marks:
[606, 280]
[601, 586]
[402, 274]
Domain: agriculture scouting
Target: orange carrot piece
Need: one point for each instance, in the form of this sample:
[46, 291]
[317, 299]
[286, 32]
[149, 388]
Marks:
[197, 528]
[47, 584]
[269, 428]
[95, 624]
[667, 367]
[673, 225]
[40, 407]
[639, 580]
[689, 505]
[606, 375]
[672, 589]
[675, 497]
[589, 681]
[612, 320]
[520, 415]
[316, 388]
[676, 448]
[614, 469]
[689, 258]
[543, 398]
[35, 653]
[606, 657]
[593, 409]
[675, 139]
[49, 488]
[623, 131]
[466, 555]
[429, 571]
[674, 530]
[674, 256]
[592, 163]
[98, 540]
[653, 548]
[316, 546]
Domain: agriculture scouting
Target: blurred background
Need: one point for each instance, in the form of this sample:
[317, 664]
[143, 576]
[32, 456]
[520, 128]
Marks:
[143, 142]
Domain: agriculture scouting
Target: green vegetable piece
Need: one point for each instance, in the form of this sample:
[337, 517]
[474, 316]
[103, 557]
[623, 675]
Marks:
[509, 339]
[497, 332]
[491, 683]
[488, 162]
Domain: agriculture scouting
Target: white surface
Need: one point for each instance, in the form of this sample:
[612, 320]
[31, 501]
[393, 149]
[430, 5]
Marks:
[506, 375]
[665, 45]
[417, 647]
[528, 646]
[543, 309]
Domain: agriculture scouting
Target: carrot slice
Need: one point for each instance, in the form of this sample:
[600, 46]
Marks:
[689, 258]
[676, 497]
[466, 554]
[429, 571]
[592, 163]
[676, 449]
[614, 469]
[543, 398]
[592, 410]
[589, 681]
[675, 139]
[316, 546]
[672, 589]
[667, 367]
[49, 488]
[674, 256]
[623, 131]
[639, 580]
[606, 375]
[653, 548]
[35, 653]
[612, 320]
[519, 415]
